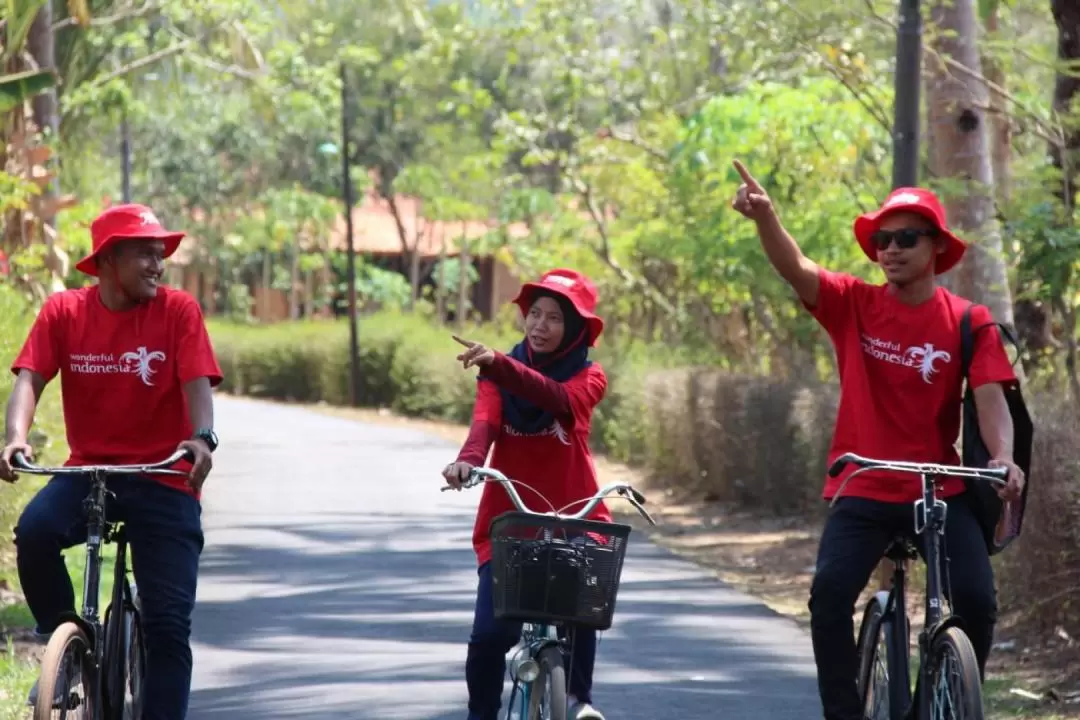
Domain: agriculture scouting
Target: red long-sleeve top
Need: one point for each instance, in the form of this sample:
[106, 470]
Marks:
[556, 461]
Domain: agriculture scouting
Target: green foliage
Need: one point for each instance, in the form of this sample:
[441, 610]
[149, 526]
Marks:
[17, 88]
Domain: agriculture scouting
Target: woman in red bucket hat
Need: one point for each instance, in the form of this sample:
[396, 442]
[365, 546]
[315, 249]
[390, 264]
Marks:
[897, 349]
[535, 405]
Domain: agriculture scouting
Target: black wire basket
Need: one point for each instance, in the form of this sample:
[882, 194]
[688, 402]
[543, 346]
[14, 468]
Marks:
[548, 570]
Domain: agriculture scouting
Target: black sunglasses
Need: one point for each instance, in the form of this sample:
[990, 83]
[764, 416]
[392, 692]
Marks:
[906, 238]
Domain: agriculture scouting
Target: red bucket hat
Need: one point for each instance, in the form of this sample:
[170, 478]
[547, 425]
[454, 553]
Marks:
[578, 290]
[125, 222]
[914, 200]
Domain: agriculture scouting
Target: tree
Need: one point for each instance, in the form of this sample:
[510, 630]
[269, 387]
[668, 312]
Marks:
[961, 160]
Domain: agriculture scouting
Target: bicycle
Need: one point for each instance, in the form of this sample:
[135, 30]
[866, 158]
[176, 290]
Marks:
[107, 659]
[885, 682]
[554, 573]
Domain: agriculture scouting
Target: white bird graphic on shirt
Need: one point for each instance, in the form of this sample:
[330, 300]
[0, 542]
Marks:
[142, 360]
[926, 356]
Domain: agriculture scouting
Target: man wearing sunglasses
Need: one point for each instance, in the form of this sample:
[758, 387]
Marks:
[897, 348]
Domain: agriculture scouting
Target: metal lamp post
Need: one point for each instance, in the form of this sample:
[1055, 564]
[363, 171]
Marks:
[347, 190]
[906, 103]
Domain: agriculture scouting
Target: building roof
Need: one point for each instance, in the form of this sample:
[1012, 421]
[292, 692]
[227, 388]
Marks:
[375, 231]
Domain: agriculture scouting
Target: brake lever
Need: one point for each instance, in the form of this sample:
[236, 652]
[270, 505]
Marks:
[642, 511]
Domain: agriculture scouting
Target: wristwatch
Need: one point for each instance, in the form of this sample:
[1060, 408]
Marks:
[208, 436]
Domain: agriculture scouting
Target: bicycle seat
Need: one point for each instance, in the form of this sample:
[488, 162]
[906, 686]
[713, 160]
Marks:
[901, 548]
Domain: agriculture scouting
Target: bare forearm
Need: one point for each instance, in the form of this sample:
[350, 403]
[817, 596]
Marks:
[788, 259]
[21, 408]
[995, 422]
[200, 402]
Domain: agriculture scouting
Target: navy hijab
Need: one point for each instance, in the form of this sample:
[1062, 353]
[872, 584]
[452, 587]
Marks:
[566, 361]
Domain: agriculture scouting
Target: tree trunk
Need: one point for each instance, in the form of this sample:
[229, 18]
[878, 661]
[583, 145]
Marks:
[1000, 130]
[294, 284]
[40, 44]
[463, 285]
[1064, 157]
[960, 136]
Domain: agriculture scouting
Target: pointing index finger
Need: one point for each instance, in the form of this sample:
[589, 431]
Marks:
[746, 176]
[466, 343]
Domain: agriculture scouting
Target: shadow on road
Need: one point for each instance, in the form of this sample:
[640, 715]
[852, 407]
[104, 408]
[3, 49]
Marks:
[366, 616]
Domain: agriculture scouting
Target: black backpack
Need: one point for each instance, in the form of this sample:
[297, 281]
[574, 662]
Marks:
[998, 531]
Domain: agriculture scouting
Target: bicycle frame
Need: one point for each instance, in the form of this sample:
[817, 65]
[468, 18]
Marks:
[930, 516]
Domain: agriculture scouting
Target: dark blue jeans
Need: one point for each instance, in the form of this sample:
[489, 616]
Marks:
[485, 665]
[164, 527]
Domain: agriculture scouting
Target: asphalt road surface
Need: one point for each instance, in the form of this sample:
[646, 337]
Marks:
[338, 582]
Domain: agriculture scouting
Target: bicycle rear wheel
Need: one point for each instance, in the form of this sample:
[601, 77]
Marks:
[548, 701]
[956, 689]
[66, 688]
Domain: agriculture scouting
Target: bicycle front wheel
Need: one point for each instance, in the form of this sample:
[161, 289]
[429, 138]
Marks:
[547, 701]
[66, 688]
[955, 690]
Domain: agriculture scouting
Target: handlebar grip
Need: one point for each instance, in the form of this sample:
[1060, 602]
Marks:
[188, 455]
[838, 466]
[638, 497]
[18, 461]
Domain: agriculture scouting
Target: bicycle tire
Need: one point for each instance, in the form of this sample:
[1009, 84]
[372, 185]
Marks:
[877, 626]
[550, 684]
[135, 666]
[123, 663]
[67, 639]
[954, 641]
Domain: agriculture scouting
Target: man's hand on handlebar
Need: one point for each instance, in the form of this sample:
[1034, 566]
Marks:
[1015, 479]
[201, 463]
[7, 466]
[456, 473]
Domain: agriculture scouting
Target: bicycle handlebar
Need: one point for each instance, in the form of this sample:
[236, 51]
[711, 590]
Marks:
[18, 462]
[995, 476]
[625, 490]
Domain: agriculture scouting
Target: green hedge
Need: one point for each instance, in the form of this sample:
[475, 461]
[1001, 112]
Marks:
[47, 434]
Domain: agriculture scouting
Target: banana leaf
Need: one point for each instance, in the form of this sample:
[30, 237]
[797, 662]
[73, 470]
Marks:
[20, 87]
[20, 16]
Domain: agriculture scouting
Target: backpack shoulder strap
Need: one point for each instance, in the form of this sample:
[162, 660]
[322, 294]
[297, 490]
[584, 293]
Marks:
[967, 341]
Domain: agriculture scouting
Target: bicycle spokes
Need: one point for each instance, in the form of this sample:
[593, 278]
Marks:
[877, 692]
[948, 699]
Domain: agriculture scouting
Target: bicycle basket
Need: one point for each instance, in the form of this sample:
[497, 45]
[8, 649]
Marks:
[552, 570]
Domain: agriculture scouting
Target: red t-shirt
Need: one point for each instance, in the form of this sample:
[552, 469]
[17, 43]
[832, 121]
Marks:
[556, 462]
[122, 374]
[900, 380]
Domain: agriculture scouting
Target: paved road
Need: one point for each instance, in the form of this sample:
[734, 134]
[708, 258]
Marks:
[338, 582]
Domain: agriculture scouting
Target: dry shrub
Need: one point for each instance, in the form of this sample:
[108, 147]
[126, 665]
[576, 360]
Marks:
[758, 442]
[1039, 575]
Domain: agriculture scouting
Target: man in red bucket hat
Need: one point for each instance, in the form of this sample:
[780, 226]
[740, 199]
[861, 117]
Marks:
[136, 368]
[897, 348]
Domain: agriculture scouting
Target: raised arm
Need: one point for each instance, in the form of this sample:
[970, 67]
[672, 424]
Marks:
[549, 395]
[783, 252]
